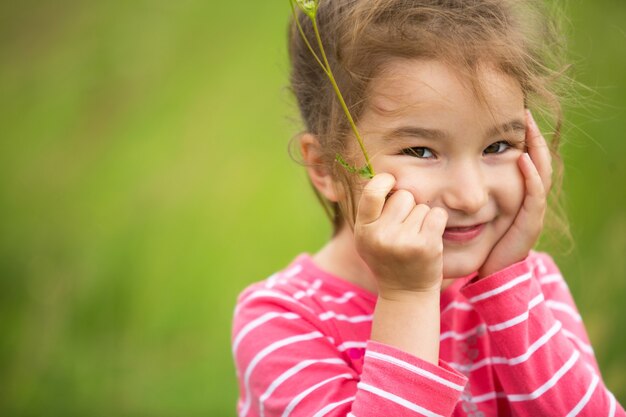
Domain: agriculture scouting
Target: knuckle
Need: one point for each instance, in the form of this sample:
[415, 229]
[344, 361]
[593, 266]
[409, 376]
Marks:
[418, 244]
[434, 249]
[378, 183]
[440, 214]
[427, 248]
[378, 241]
[369, 195]
[383, 177]
[404, 196]
[405, 252]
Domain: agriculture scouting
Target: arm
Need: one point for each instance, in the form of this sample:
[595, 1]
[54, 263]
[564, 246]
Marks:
[543, 362]
[401, 242]
[287, 365]
[286, 359]
[541, 367]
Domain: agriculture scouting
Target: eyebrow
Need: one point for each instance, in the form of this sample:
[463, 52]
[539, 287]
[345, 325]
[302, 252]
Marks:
[515, 125]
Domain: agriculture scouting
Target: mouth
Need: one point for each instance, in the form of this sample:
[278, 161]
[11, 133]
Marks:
[463, 233]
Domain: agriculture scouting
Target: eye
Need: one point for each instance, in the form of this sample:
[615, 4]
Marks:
[498, 147]
[418, 152]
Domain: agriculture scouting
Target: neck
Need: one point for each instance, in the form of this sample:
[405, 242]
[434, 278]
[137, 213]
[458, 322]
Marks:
[340, 258]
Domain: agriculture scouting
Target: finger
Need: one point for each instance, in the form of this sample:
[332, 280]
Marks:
[529, 220]
[535, 199]
[398, 207]
[539, 151]
[373, 198]
[415, 219]
[435, 222]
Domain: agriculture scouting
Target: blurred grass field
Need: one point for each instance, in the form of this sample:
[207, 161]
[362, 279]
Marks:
[145, 180]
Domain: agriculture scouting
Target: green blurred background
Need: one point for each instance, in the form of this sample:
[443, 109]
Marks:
[145, 180]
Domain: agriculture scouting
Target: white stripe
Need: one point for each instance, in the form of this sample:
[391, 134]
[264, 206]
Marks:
[309, 291]
[332, 406]
[535, 301]
[551, 278]
[501, 288]
[295, 281]
[612, 405]
[289, 373]
[467, 368]
[462, 336]
[566, 308]
[459, 305]
[548, 384]
[296, 400]
[339, 300]
[412, 368]
[342, 317]
[301, 294]
[484, 397]
[509, 323]
[257, 322]
[396, 399]
[270, 294]
[536, 345]
[350, 414]
[292, 271]
[512, 361]
[585, 347]
[581, 404]
[282, 277]
[519, 319]
[271, 281]
[348, 345]
[262, 354]
[541, 266]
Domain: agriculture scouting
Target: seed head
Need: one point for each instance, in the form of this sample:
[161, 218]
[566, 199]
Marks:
[309, 7]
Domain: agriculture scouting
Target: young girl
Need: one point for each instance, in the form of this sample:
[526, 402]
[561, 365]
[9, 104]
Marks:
[428, 299]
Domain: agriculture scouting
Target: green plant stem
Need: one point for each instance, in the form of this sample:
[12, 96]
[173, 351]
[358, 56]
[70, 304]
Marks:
[340, 96]
[306, 41]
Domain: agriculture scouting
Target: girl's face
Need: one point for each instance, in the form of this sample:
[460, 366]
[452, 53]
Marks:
[427, 128]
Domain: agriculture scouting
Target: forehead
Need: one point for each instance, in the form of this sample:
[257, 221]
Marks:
[435, 89]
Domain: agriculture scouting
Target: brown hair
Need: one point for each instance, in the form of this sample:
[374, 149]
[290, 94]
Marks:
[521, 38]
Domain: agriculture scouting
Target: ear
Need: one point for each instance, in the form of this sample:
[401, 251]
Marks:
[319, 174]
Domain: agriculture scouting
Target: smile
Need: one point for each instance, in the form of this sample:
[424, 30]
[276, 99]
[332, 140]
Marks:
[463, 234]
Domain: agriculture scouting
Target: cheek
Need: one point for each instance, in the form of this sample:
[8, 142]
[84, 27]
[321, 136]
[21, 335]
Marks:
[511, 189]
[421, 183]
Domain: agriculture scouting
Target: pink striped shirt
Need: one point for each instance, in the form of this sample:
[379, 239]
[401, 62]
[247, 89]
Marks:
[511, 344]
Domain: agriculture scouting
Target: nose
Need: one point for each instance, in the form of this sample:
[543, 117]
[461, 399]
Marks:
[466, 189]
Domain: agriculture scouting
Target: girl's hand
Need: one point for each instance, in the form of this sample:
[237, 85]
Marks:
[399, 240]
[536, 167]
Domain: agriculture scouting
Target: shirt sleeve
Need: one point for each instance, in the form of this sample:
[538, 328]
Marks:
[541, 352]
[288, 365]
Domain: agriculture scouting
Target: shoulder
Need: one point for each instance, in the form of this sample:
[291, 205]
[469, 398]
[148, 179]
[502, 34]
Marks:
[304, 289]
[298, 304]
[279, 291]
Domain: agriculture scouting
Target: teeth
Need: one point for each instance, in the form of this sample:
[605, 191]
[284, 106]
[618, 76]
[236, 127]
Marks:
[461, 229]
